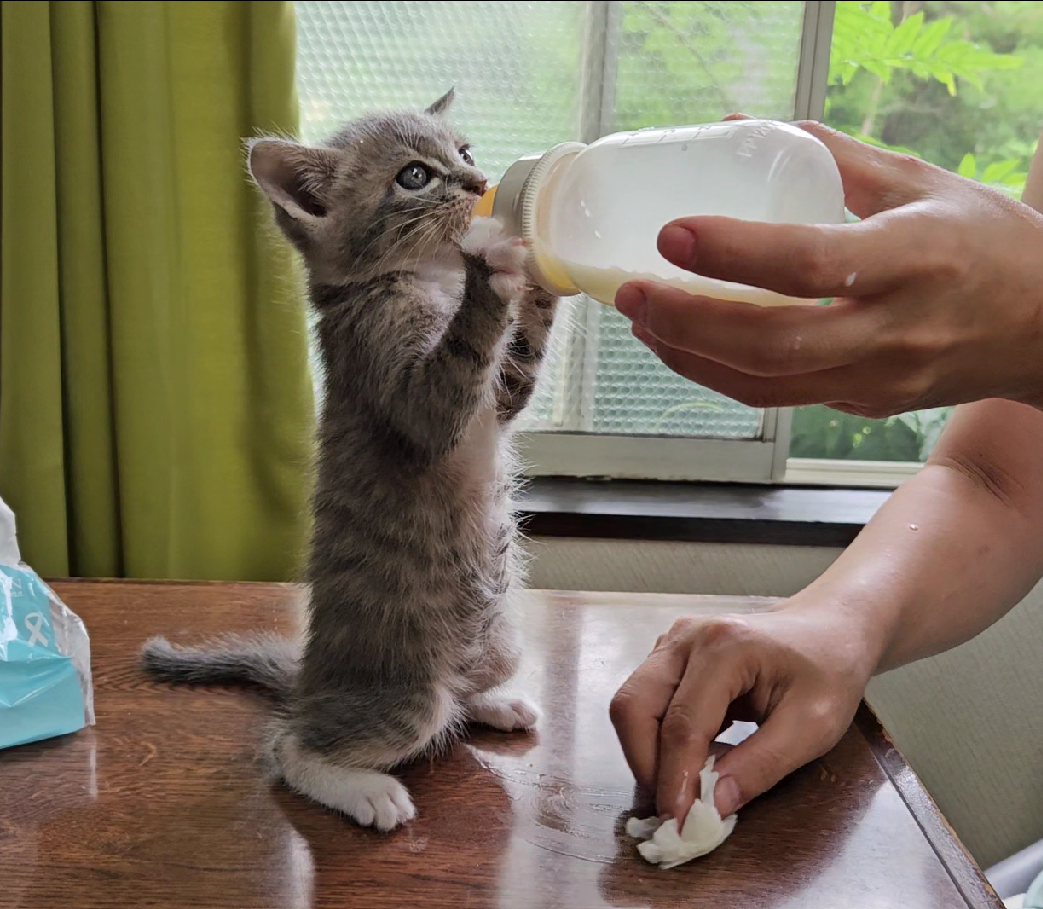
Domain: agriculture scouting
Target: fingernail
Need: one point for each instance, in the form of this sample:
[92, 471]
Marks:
[727, 797]
[632, 303]
[677, 245]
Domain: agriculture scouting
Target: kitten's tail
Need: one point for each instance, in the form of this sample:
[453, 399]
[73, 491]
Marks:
[265, 661]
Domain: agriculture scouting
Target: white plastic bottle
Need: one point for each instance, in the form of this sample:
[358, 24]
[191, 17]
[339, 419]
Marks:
[591, 213]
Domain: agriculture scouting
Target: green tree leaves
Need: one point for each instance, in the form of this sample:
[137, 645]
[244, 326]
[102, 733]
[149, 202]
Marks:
[865, 38]
[1007, 176]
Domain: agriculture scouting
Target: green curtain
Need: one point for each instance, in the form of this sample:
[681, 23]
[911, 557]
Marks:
[155, 400]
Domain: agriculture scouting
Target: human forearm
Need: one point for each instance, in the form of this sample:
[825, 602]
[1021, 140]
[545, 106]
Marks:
[953, 550]
[939, 563]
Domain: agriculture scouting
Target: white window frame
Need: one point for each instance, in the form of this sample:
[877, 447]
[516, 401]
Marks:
[588, 454]
[850, 474]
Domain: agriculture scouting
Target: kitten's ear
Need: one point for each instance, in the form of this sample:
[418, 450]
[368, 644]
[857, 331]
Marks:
[442, 104]
[296, 179]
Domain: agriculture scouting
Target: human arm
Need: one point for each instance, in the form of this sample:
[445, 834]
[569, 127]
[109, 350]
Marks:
[957, 546]
[897, 594]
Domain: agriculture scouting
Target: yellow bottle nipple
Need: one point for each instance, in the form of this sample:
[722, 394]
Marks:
[483, 208]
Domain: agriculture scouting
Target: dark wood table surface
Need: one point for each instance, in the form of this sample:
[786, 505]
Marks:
[163, 804]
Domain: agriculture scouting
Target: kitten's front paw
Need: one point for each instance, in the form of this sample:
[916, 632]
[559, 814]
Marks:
[505, 256]
[503, 713]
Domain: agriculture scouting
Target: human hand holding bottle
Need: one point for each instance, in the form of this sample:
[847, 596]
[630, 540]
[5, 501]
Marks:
[938, 295]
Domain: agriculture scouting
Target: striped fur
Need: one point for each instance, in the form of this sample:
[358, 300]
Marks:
[431, 344]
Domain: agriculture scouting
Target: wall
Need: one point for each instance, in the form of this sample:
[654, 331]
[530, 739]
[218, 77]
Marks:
[969, 722]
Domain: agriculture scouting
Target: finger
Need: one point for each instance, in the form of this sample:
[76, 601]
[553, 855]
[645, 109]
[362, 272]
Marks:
[785, 742]
[693, 720]
[875, 179]
[766, 341]
[808, 261]
[754, 391]
[738, 117]
[637, 708]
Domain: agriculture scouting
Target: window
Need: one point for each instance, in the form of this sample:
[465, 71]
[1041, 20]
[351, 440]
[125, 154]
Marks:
[532, 74]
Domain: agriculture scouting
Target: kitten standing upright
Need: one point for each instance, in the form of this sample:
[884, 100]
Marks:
[431, 340]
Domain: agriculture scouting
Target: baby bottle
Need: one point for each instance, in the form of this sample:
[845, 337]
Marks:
[591, 213]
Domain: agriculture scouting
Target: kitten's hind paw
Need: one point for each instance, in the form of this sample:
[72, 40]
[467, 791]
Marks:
[503, 713]
[504, 254]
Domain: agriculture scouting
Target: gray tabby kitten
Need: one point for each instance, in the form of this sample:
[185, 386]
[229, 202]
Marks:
[431, 339]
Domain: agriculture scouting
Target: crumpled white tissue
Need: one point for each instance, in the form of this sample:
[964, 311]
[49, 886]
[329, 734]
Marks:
[704, 830]
[9, 554]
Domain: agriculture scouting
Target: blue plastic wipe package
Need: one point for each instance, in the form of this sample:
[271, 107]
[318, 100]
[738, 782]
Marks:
[45, 675]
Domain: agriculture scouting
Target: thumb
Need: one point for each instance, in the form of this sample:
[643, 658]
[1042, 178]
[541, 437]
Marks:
[784, 743]
[809, 261]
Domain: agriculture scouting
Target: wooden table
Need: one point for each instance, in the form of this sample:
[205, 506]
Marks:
[162, 804]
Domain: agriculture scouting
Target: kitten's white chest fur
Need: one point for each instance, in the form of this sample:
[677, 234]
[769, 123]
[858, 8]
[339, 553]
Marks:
[478, 454]
[443, 278]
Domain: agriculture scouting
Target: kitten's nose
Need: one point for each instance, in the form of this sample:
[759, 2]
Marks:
[474, 184]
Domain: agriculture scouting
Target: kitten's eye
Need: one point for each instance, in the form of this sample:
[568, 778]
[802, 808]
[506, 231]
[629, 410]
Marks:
[465, 153]
[413, 176]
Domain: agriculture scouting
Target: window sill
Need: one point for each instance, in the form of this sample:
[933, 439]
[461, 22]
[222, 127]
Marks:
[696, 512]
